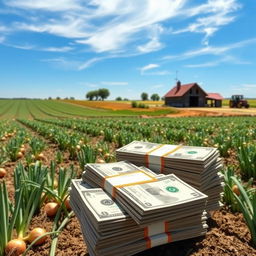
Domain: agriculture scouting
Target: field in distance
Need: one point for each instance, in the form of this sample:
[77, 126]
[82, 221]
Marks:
[115, 105]
[30, 109]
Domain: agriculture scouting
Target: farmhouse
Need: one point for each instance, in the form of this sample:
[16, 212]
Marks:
[191, 95]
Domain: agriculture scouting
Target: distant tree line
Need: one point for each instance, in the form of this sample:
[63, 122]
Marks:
[154, 97]
[121, 99]
[59, 98]
[101, 94]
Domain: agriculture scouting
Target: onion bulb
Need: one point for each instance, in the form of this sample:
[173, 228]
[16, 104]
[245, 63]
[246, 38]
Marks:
[35, 233]
[40, 156]
[78, 147]
[55, 183]
[22, 150]
[15, 247]
[67, 203]
[2, 172]
[107, 155]
[51, 209]
[101, 161]
[19, 155]
[236, 190]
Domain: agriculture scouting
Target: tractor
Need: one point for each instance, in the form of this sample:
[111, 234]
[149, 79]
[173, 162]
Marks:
[238, 101]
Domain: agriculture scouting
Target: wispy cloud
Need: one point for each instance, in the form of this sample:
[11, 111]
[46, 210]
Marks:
[2, 39]
[3, 28]
[218, 13]
[147, 70]
[104, 26]
[57, 49]
[119, 27]
[89, 63]
[48, 5]
[249, 89]
[210, 50]
[114, 83]
[37, 48]
[227, 59]
[63, 63]
[148, 67]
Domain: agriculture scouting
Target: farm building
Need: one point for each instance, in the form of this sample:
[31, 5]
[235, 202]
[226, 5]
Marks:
[215, 100]
[191, 95]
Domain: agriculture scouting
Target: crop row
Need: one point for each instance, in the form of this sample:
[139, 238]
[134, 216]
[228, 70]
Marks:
[92, 140]
[232, 136]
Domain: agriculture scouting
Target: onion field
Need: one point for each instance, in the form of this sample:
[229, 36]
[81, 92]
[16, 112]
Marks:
[44, 144]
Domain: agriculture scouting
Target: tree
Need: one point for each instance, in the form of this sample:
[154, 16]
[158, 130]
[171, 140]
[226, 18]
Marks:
[58, 98]
[103, 93]
[96, 94]
[89, 95]
[155, 97]
[118, 98]
[72, 98]
[144, 96]
[125, 99]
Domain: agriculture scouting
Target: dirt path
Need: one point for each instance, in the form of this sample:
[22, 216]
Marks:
[224, 111]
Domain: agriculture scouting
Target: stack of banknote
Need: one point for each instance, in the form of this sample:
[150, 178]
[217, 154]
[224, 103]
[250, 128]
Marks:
[198, 166]
[109, 230]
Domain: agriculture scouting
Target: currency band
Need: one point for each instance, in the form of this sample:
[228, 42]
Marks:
[161, 152]
[157, 234]
[112, 183]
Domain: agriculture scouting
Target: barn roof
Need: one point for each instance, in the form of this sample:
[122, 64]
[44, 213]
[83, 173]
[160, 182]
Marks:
[174, 92]
[214, 96]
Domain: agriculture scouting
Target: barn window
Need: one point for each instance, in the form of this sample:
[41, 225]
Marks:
[197, 91]
[190, 91]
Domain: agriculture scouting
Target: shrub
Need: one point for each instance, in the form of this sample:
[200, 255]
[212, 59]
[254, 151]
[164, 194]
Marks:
[134, 104]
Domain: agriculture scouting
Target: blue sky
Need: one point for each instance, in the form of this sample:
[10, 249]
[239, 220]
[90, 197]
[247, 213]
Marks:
[68, 47]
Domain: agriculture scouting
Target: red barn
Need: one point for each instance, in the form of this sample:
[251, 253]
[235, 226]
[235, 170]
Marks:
[191, 95]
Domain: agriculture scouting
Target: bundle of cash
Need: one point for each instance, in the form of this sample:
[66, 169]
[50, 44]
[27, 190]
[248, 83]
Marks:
[145, 197]
[108, 229]
[198, 166]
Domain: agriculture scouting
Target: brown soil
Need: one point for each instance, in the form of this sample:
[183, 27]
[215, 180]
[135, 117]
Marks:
[227, 234]
[184, 112]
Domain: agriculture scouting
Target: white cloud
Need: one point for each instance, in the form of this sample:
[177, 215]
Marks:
[248, 89]
[89, 63]
[114, 83]
[37, 48]
[49, 5]
[227, 59]
[3, 28]
[210, 50]
[249, 85]
[146, 70]
[152, 46]
[148, 67]
[63, 63]
[218, 13]
[2, 39]
[120, 28]
[57, 49]
[123, 22]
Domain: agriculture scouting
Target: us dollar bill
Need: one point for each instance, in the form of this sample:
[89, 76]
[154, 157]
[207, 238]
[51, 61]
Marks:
[183, 152]
[168, 191]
